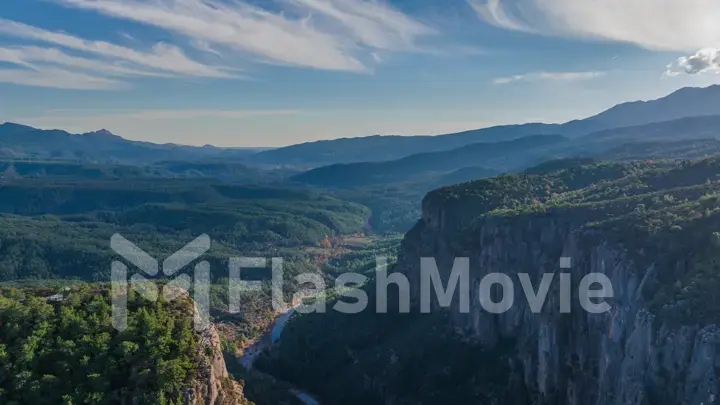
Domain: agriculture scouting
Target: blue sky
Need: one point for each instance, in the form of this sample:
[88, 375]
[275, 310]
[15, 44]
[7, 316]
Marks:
[278, 72]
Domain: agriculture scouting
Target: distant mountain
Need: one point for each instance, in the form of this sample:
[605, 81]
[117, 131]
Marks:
[492, 157]
[680, 138]
[17, 141]
[686, 102]
[380, 148]
[686, 149]
[20, 141]
[671, 130]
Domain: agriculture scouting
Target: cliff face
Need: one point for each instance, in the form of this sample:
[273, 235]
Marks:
[212, 385]
[629, 355]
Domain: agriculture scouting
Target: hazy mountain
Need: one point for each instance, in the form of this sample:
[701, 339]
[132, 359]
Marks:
[670, 130]
[676, 138]
[99, 147]
[380, 148]
[102, 146]
[685, 149]
[686, 102]
[493, 157]
[685, 137]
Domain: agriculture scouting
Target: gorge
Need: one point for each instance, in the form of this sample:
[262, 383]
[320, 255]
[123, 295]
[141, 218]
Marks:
[650, 228]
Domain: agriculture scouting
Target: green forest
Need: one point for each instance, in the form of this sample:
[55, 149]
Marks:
[67, 352]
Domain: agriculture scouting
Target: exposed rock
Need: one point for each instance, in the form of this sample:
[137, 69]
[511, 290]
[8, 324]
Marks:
[213, 385]
[626, 356]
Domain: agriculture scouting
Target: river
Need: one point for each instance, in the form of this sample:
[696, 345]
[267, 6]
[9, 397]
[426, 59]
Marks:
[251, 353]
[280, 324]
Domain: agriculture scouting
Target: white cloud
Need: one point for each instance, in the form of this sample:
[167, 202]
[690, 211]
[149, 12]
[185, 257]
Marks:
[668, 25]
[704, 60]
[321, 34]
[162, 57]
[555, 76]
[58, 78]
[371, 23]
[344, 35]
[509, 79]
[27, 55]
[205, 47]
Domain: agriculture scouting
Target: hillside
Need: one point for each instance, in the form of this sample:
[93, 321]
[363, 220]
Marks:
[651, 228]
[381, 148]
[662, 139]
[65, 226]
[493, 156]
[393, 190]
[684, 149]
[666, 130]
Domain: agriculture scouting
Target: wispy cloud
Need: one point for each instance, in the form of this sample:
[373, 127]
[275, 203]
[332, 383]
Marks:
[342, 35]
[27, 56]
[669, 25]
[59, 79]
[161, 57]
[370, 23]
[553, 76]
[93, 65]
[322, 34]
[703, 61]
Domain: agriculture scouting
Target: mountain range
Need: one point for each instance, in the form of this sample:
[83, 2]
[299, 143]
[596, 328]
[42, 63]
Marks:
[686, 102]
[689, 113]
[22, 141]
[494, 157]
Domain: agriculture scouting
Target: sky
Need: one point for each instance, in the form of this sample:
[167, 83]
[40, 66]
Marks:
[279, 72]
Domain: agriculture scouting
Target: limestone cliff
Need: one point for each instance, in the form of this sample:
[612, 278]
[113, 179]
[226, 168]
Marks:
[634, 354]
[212, 385]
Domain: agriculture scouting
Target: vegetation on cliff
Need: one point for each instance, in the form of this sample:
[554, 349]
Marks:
[65, 350]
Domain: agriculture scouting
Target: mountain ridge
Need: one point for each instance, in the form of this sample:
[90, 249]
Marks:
[682, 103]
[517, 154]
[101, 146]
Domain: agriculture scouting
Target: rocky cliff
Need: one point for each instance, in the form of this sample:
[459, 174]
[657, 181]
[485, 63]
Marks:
[212, 385]
[660, 341]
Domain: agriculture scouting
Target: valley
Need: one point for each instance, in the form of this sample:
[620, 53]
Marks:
[632, 193]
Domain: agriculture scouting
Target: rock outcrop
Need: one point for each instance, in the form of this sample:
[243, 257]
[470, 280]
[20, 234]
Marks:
[212, 385]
